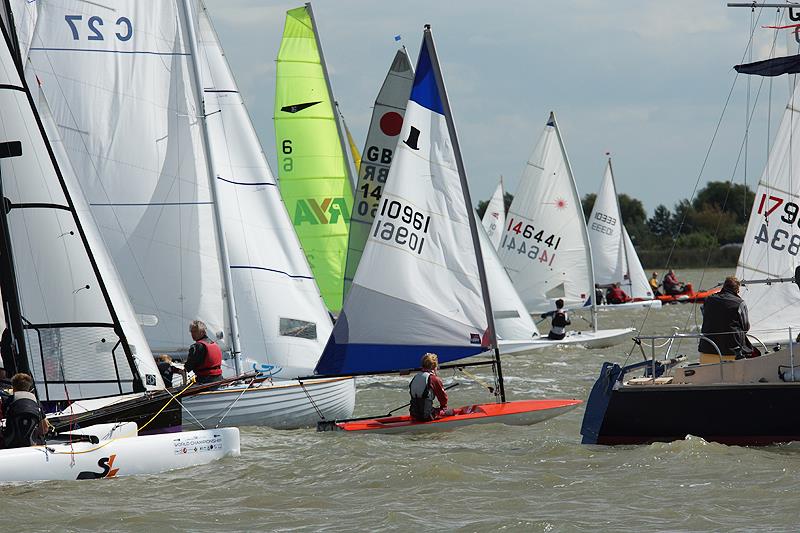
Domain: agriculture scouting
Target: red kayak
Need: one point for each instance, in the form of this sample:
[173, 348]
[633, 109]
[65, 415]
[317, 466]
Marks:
[519, 413]
[687, 296]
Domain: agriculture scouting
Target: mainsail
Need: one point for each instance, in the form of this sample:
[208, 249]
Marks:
[494, 219]
[283, 323]
[615, 260]
[71, 317]
[382, 137]
[312, 160]
[122, 94]
[772, 241]
[420, 285]
[545, 247]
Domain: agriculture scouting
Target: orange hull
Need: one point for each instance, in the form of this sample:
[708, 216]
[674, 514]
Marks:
[687, 297]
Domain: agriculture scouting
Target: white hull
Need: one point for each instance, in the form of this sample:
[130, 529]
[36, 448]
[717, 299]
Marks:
[653, 304]
[119, 453]
[602, 338]
[279, 405]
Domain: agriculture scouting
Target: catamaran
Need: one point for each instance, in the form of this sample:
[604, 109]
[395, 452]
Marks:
[178, 183]
[613, 256]
[425, 230]
[70, 324]
[545, 247]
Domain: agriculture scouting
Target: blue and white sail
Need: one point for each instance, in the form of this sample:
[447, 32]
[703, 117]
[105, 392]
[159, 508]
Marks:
[420, 284]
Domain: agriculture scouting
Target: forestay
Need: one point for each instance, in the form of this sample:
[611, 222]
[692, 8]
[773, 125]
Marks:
[80, 334]
[545, 248]
[312, 161]
[494, 219]
[121, 92]
[283, 323]
[772, 241]
[613, 255]
[419, 285]
[382, 137]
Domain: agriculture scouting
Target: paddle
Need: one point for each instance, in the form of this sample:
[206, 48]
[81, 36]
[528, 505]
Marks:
[331, 425]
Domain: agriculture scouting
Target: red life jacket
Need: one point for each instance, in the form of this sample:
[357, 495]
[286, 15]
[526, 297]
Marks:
[212, 364]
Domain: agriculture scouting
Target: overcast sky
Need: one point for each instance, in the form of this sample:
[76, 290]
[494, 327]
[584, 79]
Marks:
[645, 80]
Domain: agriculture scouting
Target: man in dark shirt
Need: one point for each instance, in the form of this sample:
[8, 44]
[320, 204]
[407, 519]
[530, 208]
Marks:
[725, 322]
[558, 326]
[205, 356]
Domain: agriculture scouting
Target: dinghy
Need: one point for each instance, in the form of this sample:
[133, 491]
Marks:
[545, 246]
[426, 230]
[190, 203]
[494, 219]
[115, 450]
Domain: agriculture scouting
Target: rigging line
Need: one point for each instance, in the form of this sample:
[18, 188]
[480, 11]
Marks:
[311, 399]
[244, 389]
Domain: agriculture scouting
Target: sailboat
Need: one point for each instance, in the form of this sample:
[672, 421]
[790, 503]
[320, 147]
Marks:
[187, 220]
[494, 219]
[748, 397]
[382, 137]
[545, 247]
[425, 230]
[614, 258]
[313, 167]
[70, 323]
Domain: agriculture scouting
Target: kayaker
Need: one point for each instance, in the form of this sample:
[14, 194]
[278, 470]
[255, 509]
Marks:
[426, 386]
[654, 284]
[616, 295]
[671, 284]
[26, 424]
[725, 322]
[205, 355]
[558, 326]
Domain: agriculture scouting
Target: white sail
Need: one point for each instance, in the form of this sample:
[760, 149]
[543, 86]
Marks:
[772, 242]
[25, 15]
[418, 286]
[120, 86]
[382, 137]
[545, 247]
[614, 259]
[81, 335]
[283, 323]
[494, 219]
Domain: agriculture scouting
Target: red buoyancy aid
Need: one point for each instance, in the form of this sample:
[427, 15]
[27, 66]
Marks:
[212, 364]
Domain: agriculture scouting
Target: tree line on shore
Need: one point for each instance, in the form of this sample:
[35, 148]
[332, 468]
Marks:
[699, 229]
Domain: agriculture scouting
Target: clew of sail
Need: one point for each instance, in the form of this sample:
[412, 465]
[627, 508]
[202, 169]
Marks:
[79, 331]
[129, 118]
[772, 240]
[494, 219]
[283, 322]
[545, 247]
[312, 161]
[384, 130]
[420, 283]
[614, 258]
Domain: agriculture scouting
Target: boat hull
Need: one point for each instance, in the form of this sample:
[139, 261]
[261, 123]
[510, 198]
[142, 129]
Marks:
[519, 413]
[688, 297]
[602, 338]
[117, 456]
[739, 414]
[630, 305]
[279, 405]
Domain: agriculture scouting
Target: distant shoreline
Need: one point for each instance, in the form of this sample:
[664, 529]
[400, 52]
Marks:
[656, 260]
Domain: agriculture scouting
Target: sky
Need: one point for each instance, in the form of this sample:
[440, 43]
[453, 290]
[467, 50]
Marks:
[646, 81]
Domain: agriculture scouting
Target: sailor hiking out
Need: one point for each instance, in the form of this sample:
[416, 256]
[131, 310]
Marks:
[25, 421]
[426, 386]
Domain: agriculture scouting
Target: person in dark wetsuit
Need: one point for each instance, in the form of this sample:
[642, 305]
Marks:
[26, 424]
[726, 323]
[558, 326]
[426, 386]
[167, 369]
[205, 356]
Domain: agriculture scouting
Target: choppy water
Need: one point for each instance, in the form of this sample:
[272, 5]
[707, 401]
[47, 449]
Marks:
[483, 478]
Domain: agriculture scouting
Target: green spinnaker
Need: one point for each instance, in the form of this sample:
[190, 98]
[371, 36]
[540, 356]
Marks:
[312, 163]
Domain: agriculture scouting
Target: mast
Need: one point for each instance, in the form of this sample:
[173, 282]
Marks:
[334, 104]
[12, 33]
[223, 248]
[448, 115]
[621, 229]
[577, 200]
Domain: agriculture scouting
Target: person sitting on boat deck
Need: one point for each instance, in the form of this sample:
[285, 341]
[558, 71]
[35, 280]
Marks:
[599, 295]
[725, 323]
[671, 284]
[26, 424]
[167, 369]
[558, 326]
[426, 386]
[654, 284]
[205, 356]
[616, 295]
